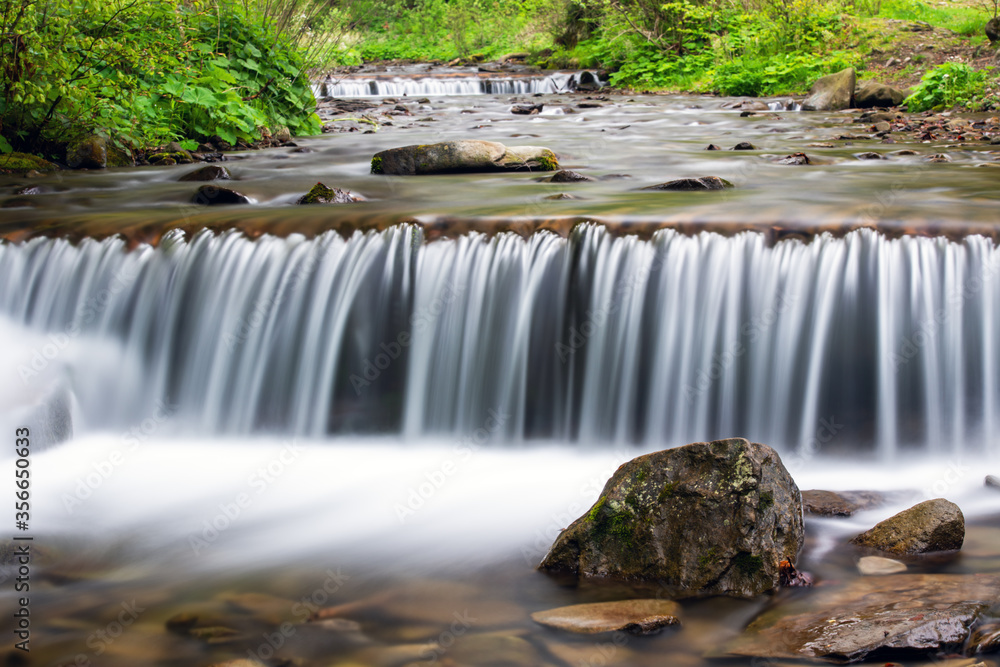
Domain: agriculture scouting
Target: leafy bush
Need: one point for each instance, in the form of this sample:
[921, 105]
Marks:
[776, 75]
[142, 72]
[949, 85]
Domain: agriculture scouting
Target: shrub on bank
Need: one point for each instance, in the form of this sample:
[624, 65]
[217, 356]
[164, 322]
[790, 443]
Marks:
[145, 72]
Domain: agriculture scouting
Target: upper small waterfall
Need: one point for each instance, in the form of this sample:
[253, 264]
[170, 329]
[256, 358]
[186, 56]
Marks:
[455, 84]
[596, 337]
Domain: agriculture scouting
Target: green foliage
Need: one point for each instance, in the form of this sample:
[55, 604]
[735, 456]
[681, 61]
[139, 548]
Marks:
[143, 72]
[949, 85]
[963, 20]
[776, 75]
[444, 30]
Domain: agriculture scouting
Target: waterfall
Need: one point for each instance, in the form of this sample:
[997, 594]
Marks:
[859, 341]
[420, 86]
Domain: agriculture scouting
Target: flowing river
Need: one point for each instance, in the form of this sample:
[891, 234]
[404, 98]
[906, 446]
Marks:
[245, 414]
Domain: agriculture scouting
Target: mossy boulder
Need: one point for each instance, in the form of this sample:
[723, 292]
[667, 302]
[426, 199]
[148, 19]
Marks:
[709, 518]
[468, 156]
[88, 153]
[21, 163]
[320, 194]
[933, 525]
[832, 92]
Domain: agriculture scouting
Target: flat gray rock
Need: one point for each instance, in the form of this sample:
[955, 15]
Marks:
[903, 612]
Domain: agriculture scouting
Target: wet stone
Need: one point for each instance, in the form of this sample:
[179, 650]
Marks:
[933, 525]
[903, 612]
[871, 155]
[875, 565]
[207, 173]
[744, 146]
[639, 617]
[567, 176]
[693, 184]
[993, 482]
[795, 159]
[211, 195]
[839, 503]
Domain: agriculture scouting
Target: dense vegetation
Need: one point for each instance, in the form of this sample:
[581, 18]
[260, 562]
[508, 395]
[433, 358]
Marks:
[734, 47]
[143, 72]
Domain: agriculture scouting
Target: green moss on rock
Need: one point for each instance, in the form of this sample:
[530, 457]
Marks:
[377, 164]
[20, 163]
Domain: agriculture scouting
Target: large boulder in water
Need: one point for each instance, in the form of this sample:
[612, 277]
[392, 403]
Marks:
[832, 92]
[933, 525]
[703, 519]
[869, 94]
[450, 157]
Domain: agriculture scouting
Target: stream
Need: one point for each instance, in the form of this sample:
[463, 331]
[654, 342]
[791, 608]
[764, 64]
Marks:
[244, 415]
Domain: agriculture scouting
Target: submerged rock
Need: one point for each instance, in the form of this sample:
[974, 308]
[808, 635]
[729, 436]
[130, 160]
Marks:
[527, 109]
[875, 565]
[868, 94]
[745, 504]
[691, 184]
[794, 159]
[213, 195]
[933, 525]
[832, 92]
[639, 617]
[992, 481]
[212, 172]
[467, 156]
[839, 503]
[744, 146]
[320, 194]
[567, 176]
[902, 612]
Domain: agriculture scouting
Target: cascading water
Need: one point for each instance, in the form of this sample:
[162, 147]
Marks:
[462, 84]
[670, 340]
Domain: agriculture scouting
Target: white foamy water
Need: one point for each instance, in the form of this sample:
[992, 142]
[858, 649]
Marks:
[218, 504]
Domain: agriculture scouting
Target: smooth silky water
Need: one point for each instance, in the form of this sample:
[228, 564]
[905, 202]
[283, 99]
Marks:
[401, 424]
